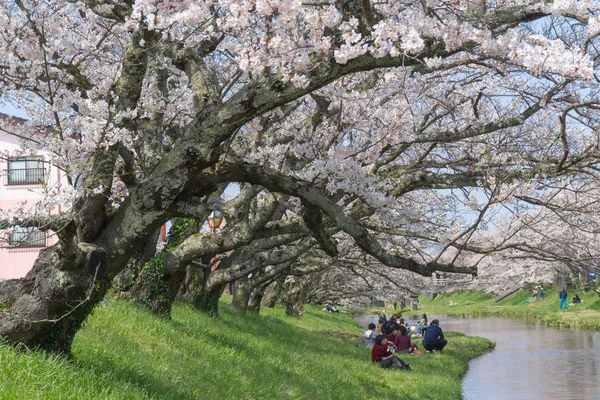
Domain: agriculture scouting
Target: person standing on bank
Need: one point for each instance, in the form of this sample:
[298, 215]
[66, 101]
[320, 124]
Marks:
[422, 325]
[563, 298]
[434, 337]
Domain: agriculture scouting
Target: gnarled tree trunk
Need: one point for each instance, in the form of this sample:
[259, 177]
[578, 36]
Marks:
[276, 294]
[156, 286]
[124, 281]
[241, 295]
[47, 307]
[256, 298]
[207, 300]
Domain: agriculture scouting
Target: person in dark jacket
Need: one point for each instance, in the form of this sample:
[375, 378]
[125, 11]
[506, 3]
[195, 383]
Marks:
[434, 337]
[381, 355]
[563, 298]
[388, 326]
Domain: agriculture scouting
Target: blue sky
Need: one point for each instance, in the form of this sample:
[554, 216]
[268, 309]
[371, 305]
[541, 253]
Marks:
[10, 110]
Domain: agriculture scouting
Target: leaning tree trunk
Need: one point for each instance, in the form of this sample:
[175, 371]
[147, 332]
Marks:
[47, 307]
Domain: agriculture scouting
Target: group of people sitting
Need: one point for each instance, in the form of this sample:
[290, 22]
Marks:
[394, 336]
[331, 308]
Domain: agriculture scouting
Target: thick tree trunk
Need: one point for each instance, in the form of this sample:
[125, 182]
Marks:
[276, 295]
[292, 309]
[206, 299]
[241, 295]
[256, 299]
[125, 281]
[154, 288]
[47, 307]
[186, 291]
[293, 297]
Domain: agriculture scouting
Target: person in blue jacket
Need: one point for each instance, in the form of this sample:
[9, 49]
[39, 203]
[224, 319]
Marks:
[563, 298]
[434, 337]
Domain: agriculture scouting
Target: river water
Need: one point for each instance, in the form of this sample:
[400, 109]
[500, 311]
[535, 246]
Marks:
[530, 361]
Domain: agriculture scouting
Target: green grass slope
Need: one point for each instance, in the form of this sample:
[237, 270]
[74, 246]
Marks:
[125, 353]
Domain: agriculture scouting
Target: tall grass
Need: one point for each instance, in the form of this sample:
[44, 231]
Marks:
[125, 353]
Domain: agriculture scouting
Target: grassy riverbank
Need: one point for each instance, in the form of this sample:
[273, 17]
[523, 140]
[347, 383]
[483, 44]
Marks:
[581, 316]
[126, 353]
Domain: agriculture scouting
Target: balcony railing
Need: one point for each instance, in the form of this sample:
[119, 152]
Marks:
[29, 176]
[27, 237]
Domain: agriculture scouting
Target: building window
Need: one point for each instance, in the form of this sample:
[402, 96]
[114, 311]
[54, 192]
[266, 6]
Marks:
[27, 237]
[25, 171]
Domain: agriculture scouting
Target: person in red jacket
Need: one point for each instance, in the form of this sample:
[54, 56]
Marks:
[382, 356]
[402, 341]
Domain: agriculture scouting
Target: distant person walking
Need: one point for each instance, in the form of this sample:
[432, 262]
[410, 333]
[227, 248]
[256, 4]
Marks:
[563, 298]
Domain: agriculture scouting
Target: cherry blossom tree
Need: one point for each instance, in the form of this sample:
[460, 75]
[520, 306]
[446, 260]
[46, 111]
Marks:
[369, 117]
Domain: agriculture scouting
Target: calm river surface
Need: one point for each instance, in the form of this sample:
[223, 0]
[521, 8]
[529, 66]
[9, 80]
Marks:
[530, 361]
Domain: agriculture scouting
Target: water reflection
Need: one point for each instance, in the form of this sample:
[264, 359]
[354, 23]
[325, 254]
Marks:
[530, 361]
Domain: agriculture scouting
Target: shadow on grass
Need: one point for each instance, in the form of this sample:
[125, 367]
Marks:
[250, 356]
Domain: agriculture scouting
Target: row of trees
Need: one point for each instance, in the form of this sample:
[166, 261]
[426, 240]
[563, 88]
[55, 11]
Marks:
[362, 134]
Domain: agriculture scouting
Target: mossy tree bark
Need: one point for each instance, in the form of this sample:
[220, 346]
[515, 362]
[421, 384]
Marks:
[156, 286]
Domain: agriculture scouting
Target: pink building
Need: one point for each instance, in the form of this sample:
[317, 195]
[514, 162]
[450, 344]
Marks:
[22, 178]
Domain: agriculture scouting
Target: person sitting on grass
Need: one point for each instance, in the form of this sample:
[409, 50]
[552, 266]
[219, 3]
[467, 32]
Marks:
[381, 355]
[368, 337]
[434, 337]
[576, 299]
[388, 326]
[402, 341]
[391, 337]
